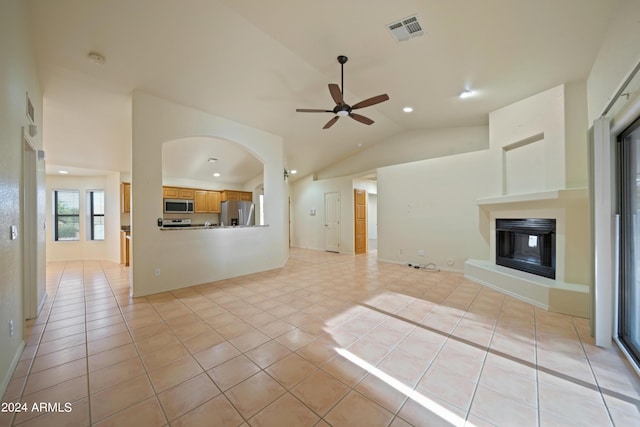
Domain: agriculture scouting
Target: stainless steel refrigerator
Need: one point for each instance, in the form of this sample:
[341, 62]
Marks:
[237, 212]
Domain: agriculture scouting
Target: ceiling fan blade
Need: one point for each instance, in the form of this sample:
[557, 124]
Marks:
[336, 94]
[331, 122]
[371, 101]
[361, 119]
[312, 110]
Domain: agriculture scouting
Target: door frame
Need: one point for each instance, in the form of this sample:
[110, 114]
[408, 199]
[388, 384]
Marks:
[29, 227]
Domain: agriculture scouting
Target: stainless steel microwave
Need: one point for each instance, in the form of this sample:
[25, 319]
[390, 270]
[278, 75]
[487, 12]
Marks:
[178, 206]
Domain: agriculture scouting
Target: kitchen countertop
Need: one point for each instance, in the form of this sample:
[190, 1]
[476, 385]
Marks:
[211, 227]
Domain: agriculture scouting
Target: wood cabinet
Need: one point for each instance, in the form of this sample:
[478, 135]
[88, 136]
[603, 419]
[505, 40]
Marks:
[177, 193]
[124, 247]
[200, 201]
[206, 201]
[125, 197]
[213, 201]
[236, 195]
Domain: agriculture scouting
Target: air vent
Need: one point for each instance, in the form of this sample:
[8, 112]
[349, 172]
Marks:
[406, 29]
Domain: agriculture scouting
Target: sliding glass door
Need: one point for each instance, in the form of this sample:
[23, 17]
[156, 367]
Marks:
[629, 209]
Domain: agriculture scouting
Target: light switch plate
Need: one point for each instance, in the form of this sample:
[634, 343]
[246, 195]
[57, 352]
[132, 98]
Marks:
[14, 232]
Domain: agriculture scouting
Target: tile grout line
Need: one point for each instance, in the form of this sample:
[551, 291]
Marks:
[146, 372]
[35, 354]
[595, 378]
[486, 354]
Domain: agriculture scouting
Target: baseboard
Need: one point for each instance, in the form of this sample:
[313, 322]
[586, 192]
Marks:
[7, 377]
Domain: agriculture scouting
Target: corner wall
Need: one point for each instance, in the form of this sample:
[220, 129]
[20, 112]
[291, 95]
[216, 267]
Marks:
[189, 257]
[431, 206]
[18, 71]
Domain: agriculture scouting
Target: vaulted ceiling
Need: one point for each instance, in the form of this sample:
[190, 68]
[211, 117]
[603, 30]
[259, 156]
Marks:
[256, 61]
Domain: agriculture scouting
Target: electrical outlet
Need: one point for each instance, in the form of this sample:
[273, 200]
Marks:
[10, 328]
[157, 272]
[449, 261]
[420, 252]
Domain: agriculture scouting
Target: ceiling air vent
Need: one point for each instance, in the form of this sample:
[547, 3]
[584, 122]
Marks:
[406, 29]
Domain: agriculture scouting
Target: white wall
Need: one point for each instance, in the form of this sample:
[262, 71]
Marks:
[431, 205]
[618, 54]
[18, 71]
[188, 257]
[85, 249]
[411, 146]
[308, 230]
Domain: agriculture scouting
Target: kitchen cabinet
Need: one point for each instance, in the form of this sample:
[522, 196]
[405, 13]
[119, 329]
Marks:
[177, 193]
[213, 201]
[170, 193]
[200, 201]
[124, 247]
[206, 201]
[236, 195]
[125, 197]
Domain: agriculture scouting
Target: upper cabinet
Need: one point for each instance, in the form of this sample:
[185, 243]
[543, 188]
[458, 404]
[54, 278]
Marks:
[178, 193]
[236, 195]
[125, 197]
[206, 201]
[213, 201]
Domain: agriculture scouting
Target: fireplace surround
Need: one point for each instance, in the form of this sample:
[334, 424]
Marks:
[527, 244]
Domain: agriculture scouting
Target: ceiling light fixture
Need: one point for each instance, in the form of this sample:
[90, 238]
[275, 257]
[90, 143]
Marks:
[63, 172]
[293, 171]
[96, 58]
[212, 160]
[467, 93]
[407, 109]
[216, 174]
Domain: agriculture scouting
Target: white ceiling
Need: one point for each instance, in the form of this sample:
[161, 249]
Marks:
[256, 61]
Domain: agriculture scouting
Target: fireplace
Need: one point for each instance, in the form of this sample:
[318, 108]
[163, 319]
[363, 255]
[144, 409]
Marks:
[527, 244]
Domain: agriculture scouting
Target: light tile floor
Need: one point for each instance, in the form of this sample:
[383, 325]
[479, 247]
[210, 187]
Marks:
[327, 340]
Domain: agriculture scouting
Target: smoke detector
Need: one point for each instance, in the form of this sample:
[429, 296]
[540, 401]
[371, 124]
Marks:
[96, 58]
[406, 29]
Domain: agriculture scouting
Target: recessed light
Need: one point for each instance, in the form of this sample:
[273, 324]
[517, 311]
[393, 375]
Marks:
[293, 171]
[63, 172]
[466, 93]
[212, 160]
[407, 109]
[216, 174]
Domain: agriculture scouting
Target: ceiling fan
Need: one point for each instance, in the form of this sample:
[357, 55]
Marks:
[342, 109]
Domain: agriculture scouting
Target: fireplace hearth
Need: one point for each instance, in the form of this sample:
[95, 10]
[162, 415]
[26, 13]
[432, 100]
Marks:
[527, 244]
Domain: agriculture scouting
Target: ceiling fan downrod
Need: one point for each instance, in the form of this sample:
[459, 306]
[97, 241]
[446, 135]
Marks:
[342, 60]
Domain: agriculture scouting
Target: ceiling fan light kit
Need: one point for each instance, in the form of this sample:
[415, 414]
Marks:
[343, 109]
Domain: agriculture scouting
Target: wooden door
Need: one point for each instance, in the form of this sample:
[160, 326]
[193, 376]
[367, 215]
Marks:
[125, 197]
[332, 222]
[360, 218]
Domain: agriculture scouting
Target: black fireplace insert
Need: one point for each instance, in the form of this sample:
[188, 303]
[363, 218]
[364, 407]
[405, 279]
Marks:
[527, 244]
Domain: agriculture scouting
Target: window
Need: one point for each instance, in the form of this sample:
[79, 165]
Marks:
[67, 215]
[95, 211]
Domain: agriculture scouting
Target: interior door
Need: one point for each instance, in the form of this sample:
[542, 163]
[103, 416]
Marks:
[332, 222]
[360, 220]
